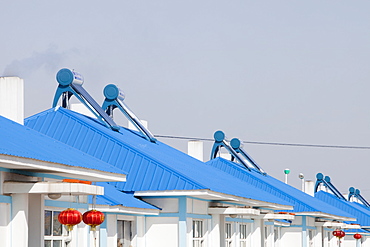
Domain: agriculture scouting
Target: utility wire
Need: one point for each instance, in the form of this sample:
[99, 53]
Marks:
[268, 143]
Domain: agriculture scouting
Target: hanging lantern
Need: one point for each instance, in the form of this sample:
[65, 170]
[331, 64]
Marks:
[357, 236]
[336, 233]
[70, 217]
[93, 218]
[341, 234]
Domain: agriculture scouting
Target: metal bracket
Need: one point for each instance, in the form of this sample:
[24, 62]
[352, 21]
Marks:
[238, 147]
[357, 193]
[70, 83]
[114, 99]
[220, 142]
[320, 179]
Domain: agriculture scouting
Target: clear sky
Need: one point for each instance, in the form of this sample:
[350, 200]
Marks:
[272, 71]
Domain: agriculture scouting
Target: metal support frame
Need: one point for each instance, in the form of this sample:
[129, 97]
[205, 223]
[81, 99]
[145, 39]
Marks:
[234, 148]
[357, 194]
[114, 99]
[320, 179]
[70, 83]
[238, 147]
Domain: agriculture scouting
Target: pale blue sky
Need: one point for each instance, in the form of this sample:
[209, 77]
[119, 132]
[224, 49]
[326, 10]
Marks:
[274, 71]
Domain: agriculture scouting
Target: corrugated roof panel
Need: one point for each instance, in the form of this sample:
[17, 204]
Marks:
[21, 141]
[180, 170]
[302, 202]
[158, 175]
[362, 214]
[113, 197]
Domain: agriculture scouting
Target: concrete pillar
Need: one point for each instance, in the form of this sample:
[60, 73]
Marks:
[111, 230]
[257, 239]
[36, 220]
[195, 149]
[140, 229]
[20, 220]
[4, 224]
[215, 231]
[11, 98]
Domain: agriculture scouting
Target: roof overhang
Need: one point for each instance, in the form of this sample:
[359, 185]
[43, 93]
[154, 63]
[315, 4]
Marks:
[39, 166]
[127, 210]
[233, 211]
[52, 188]
[214, 196]
[325, 216]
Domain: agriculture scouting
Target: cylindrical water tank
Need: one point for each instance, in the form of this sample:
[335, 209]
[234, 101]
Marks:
[66, 77]
[112, 92]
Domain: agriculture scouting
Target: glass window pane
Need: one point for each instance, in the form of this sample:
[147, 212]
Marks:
[57, 243]
[47, 223]
[57, 227]
[47, 243]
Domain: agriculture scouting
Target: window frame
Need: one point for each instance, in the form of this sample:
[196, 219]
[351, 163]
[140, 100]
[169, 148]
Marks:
[52, 237]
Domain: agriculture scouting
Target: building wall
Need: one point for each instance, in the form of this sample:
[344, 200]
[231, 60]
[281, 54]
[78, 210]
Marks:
[161, 232]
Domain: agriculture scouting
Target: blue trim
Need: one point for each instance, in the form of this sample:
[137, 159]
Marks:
[5, 199]
[268, 223]
[199, 216]
[240, 220]
[2, 169]
[182, 221]
[62, 204]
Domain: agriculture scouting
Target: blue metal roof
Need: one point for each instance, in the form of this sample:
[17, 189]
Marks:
[362, 214]
[301, 201]
[150, 166]
[21, 141]
[113, 197]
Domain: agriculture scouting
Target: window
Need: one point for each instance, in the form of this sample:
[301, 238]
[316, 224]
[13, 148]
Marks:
[243, 234]
[329, 238]
[198, 233]
[310, 238]
[53, 229]
[266, 233]
[228, 235]
[124, 233]
[276, 236]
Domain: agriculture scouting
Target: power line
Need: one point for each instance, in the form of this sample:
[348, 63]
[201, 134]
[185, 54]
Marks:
[268, 143]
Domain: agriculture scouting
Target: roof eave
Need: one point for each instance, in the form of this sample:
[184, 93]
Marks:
[39, 166]
[214, 196]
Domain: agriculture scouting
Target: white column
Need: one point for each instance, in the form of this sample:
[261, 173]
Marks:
[257, 236]
[11, 98]
[215, 231]
[4, 224]
[111, 230]
[20, 220]
[140, 229]
[36, 220]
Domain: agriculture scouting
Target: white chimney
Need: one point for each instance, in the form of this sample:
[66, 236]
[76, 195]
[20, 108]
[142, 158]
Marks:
[12, 98]
[309, 187]
[131, 126]
[82, 109]
[195, 149]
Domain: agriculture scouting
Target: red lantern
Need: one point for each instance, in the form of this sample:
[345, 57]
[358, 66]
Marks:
[357, 236]
[336, 233]
[93, 218]
[342, 234]
[70, 217]
[339, 234]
